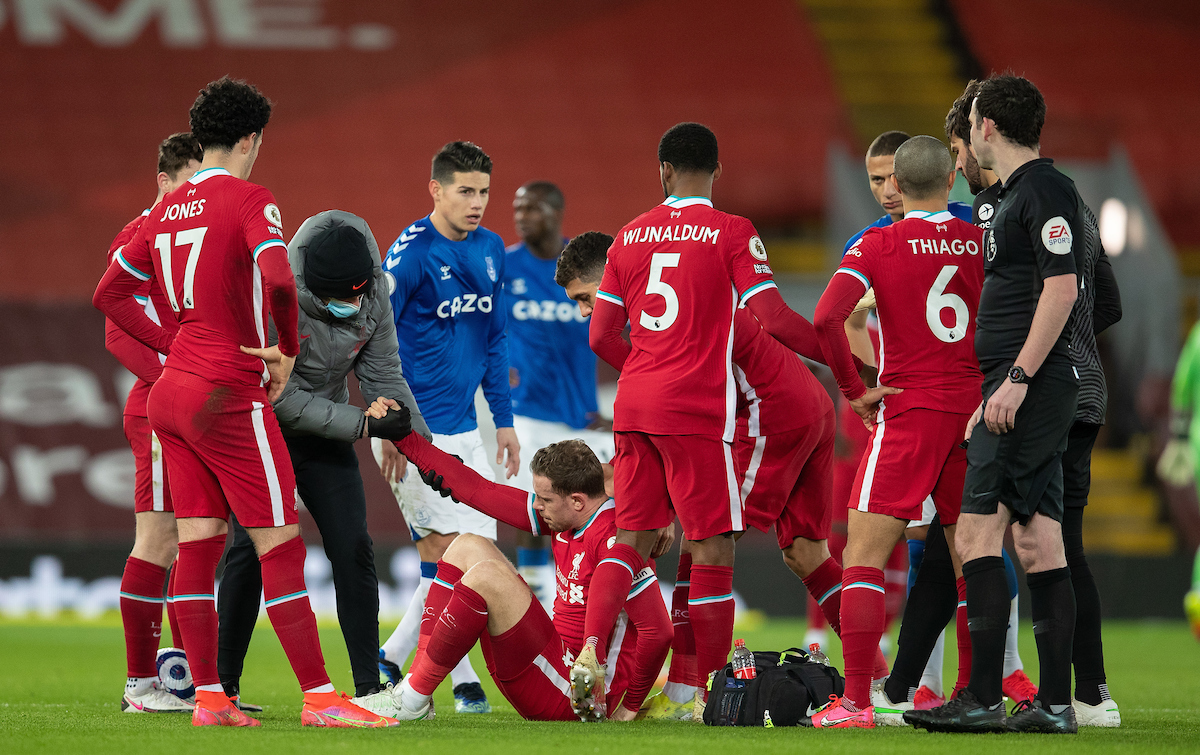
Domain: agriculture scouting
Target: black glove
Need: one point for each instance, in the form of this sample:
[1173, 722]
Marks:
[436, 481]
[396, 424]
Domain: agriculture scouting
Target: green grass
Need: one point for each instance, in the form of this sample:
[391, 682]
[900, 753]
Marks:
[61, 682]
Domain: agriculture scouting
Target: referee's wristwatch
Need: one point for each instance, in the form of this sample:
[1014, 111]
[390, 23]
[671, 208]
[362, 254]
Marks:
[1018, 375]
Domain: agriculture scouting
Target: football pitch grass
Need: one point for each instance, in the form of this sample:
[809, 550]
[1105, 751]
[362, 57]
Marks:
[62, 683]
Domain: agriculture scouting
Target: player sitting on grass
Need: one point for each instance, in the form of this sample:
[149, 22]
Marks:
[478, 595]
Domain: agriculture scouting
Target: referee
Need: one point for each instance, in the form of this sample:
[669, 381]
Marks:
[1034, 259]
[345, 326]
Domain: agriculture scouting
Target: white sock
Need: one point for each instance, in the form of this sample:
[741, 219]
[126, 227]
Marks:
[410, 699]
[139, 685]
[679, 693]
[463, 673]
[1012, 654]
[404, 640]
[328, 687]
[932, 678]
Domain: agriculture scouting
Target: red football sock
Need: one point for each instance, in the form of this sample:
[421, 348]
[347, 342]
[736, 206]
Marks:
[141, 615]
[611, 580]
[683, 646]
[290, 613]
[196, 607]
[862, 626]
[172, 619]
[455, 632]
[964, 637]
[825, 588]
[710, 603]
[440, 591]
[895, 584]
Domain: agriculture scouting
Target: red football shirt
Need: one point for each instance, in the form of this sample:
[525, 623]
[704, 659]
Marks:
[141, 360]
[927, 272]
[680, 271]
[779, 393]
[202, 243]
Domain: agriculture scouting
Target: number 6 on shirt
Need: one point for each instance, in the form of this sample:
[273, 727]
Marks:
[937, 300]
[193, 238]
[657, 285]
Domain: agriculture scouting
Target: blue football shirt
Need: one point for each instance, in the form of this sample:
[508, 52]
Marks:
[547, 344]
[448, 301]
[957, 209]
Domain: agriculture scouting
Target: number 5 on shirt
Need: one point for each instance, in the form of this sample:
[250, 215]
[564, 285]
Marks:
[192, 238]
[656, 285]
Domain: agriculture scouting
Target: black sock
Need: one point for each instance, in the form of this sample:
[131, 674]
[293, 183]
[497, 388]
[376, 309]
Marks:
[1087, 651]
[1052, 603]
[931, 605]
[987, 617]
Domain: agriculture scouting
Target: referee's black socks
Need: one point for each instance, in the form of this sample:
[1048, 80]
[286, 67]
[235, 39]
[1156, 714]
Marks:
[988, 606]
[1052, 603]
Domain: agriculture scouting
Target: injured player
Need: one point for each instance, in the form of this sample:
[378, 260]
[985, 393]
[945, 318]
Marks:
[478, 595]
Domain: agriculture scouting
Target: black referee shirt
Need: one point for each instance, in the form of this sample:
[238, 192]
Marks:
[983, 211]
[1037, 233]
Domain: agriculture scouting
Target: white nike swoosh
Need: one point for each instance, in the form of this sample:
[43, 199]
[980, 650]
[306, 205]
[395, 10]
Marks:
[811, 710]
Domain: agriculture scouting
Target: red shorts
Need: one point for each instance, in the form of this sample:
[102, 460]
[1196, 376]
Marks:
[789, 481]
[150, 489]
[224, 451]
[657, 476]
[531, 665]
[910, 457]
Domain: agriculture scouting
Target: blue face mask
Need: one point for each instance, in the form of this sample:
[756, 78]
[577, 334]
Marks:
[342, 309]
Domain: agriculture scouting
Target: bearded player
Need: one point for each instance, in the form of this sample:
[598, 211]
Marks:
[216, 247]
[156, 540]
[929, 380]
[478, 595]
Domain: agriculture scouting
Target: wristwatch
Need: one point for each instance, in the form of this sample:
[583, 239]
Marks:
[1017, 375]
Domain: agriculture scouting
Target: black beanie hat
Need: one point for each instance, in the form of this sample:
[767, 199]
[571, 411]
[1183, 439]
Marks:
[338, 264]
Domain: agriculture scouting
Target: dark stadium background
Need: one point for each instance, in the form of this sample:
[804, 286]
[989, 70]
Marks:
[577, 93]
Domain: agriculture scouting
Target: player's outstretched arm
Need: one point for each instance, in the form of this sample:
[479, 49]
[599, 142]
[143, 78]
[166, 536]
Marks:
[114, 297]
[507, 504]
[785, 325]
[604, 332]
[648, 613]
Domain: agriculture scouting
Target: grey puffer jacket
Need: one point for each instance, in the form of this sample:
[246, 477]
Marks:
[316, 398]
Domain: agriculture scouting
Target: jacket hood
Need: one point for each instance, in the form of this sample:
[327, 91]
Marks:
[298, 248]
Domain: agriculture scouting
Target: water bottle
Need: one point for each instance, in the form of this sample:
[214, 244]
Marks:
[814, 652]
[743, 661]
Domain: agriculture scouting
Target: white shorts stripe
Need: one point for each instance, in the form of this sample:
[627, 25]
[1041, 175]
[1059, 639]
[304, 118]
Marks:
[614, 648]
[760, 445]
[268, 462]
[557, 679]
[864, 495]
[156, 473]
[735, 498]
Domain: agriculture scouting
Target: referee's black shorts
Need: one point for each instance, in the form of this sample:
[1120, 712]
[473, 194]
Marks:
[1077, 464]
[1023, 468]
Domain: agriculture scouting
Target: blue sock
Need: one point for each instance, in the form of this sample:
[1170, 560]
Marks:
[428, 569]
[532, 557]
[1010, 573]
[916, 554]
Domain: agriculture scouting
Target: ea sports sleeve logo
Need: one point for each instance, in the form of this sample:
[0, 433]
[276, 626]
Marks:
[757, 250]
[271, 213]
[1056, 235]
